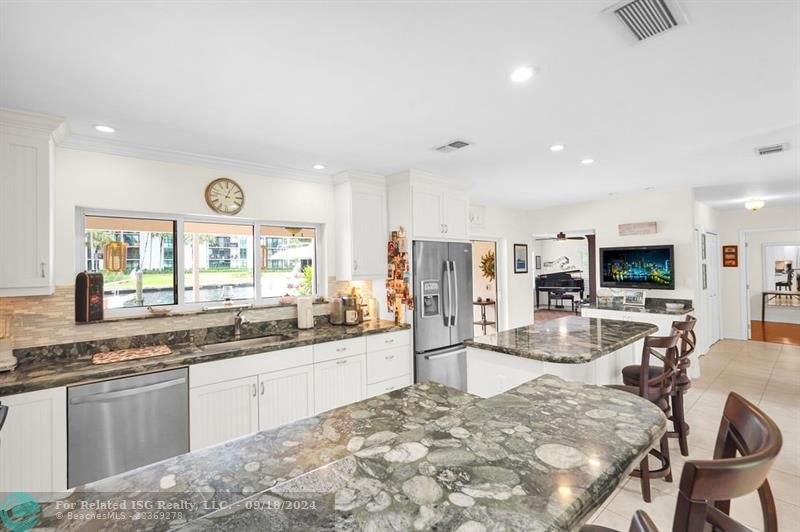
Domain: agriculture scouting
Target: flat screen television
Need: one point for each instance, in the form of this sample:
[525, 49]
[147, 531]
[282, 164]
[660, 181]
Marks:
[649, 267]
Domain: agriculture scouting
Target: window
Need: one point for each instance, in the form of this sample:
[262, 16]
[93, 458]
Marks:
[287, 261]
[194, 260]
[147, 276]
[219, 263]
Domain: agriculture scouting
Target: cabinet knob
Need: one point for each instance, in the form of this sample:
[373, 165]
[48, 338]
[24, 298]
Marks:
[389, 341]
[44, 269]
[446, 228]
[341, 349]
[341, 362]
[255, 391]
[262, 388]
[389, 357]
[355, 264]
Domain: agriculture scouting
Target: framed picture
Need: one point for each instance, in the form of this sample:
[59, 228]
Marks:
[634, 297]
[730, 256]
[538, 262]
[520, 258]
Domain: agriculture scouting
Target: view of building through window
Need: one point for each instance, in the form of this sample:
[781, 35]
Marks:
[219, 262]
[287, 261]
[148, 275]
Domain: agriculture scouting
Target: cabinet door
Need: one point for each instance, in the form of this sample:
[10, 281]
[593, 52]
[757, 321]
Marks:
[339, 382]
[427, 212]
[33, 442]
[25, 215]
[456, 215]
[285, 396]
[223, 411]
[369, 232]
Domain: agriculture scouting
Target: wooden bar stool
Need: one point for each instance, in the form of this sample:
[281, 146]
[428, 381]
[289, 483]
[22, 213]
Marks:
[707, 486]
[656, 386]
[688, 341]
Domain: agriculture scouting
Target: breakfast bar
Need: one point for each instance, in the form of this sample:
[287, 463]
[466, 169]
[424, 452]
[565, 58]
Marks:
[588, 350]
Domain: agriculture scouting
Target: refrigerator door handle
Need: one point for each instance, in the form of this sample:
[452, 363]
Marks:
[451, 321]
[455, 282]
[443, 355]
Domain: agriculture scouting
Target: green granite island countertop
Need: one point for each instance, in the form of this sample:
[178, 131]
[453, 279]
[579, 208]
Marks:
[570, 340]
[542, 456]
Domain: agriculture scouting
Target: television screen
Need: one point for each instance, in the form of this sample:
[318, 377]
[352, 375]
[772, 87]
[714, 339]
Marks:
[641, 267]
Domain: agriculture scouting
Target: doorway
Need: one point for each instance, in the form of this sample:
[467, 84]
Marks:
[484, 287]
[566, 272]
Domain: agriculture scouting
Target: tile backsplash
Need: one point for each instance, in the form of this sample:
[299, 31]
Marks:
[48, 320]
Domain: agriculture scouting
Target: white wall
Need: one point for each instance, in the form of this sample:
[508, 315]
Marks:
[671, 209]
[515, 290]
[89, 179]
[732, 223]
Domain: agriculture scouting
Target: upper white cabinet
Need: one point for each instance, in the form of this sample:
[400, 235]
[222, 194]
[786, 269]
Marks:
[361, 233]
[26, 186]
[429, 207]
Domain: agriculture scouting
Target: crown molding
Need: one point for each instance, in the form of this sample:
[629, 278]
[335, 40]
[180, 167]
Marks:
[42, 123]
[359, 176]
[113, 147]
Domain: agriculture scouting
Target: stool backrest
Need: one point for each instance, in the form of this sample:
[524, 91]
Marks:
[688, 341]
[747, 443]
[660, 384]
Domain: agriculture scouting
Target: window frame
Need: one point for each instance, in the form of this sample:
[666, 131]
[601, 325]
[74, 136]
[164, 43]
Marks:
[179, 260]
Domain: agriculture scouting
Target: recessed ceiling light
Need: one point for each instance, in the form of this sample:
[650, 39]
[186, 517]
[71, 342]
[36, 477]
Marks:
[556, 147]
[587, 162]
[319, 167]
[754, 205]
[104, 129]
[521, 74]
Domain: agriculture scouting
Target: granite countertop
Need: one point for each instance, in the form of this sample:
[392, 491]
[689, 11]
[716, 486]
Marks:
[652, 306]
[570, 340]
[52, 373]
[542, 456]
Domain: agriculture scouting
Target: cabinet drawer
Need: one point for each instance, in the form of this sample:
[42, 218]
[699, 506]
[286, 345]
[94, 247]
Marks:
[387, 386]
[387, 341]
[246, 366]
[388, 364]
[339, 349]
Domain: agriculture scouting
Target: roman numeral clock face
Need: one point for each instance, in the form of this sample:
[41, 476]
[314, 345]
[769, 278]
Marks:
[225, 196]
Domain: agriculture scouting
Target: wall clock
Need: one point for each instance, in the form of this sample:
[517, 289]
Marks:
[225, 196]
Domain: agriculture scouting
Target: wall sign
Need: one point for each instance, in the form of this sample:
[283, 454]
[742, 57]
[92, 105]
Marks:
[730, 256]
[642, 228]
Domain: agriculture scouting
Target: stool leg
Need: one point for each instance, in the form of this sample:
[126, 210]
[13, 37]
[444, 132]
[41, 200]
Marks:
[665, 452]
[679, 422]
[644, 468]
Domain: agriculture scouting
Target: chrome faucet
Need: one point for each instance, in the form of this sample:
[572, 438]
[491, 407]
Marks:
[237, 325]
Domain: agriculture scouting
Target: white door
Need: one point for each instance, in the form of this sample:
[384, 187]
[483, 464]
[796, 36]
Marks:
[33, 442]
[456, 215]
[340, 382]
[25, 189]
[713, 251]
[223, 411]
[369, 232]
[427, 210]
[285, 396]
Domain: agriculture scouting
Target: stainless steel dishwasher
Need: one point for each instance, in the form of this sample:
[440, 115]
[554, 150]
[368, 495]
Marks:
[121, 424]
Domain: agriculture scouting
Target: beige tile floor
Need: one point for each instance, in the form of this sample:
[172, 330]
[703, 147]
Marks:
[769, 376]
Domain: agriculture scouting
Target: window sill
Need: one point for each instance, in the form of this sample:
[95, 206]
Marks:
[235, 307]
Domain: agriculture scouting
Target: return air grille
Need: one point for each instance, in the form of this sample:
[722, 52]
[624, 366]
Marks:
[766, 150]
[646, 18]
[452, 146]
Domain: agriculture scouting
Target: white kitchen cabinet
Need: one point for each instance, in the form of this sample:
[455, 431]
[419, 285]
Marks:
[223, 411]
[388, 358]
[26, 186]
[361, 231]
[456, 215]
[440, 213]
[388, 386]
[285, 396]
[340, 382]
[33, 442]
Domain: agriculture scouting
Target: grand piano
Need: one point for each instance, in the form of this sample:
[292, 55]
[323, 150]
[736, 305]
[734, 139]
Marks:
[560, 282]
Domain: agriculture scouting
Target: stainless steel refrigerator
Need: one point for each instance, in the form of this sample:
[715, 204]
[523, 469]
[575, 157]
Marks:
[443, 311]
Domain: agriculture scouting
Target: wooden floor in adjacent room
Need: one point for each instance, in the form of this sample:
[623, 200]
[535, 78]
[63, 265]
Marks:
[774, 332]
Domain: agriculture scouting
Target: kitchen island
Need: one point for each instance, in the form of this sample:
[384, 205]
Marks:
[588, 350]
[543, 456]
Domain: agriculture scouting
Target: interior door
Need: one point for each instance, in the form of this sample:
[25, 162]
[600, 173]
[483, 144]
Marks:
[712, 293]
[431, 290]
[461, 278]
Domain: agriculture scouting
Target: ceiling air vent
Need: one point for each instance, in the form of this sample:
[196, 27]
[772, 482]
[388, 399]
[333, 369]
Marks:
[453, 146]
[775, 148]
[646, 18]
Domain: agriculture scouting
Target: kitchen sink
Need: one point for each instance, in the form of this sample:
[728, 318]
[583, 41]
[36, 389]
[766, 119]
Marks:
[246, 344]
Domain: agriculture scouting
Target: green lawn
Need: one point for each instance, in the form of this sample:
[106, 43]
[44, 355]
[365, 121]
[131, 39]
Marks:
[123, 281]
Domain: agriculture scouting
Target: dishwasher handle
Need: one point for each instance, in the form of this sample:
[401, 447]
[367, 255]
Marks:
[3, 413]
[110, 396]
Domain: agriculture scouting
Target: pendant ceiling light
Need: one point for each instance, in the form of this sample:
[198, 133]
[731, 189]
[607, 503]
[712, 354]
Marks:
[754, 205]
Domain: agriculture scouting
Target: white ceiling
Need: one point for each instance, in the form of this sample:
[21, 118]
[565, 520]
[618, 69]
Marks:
[734, 196]
[376, 85]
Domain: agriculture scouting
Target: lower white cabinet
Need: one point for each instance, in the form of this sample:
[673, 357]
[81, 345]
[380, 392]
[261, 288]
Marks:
[33, 443]
[222, 411]
[285, 396]
[340, 382]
